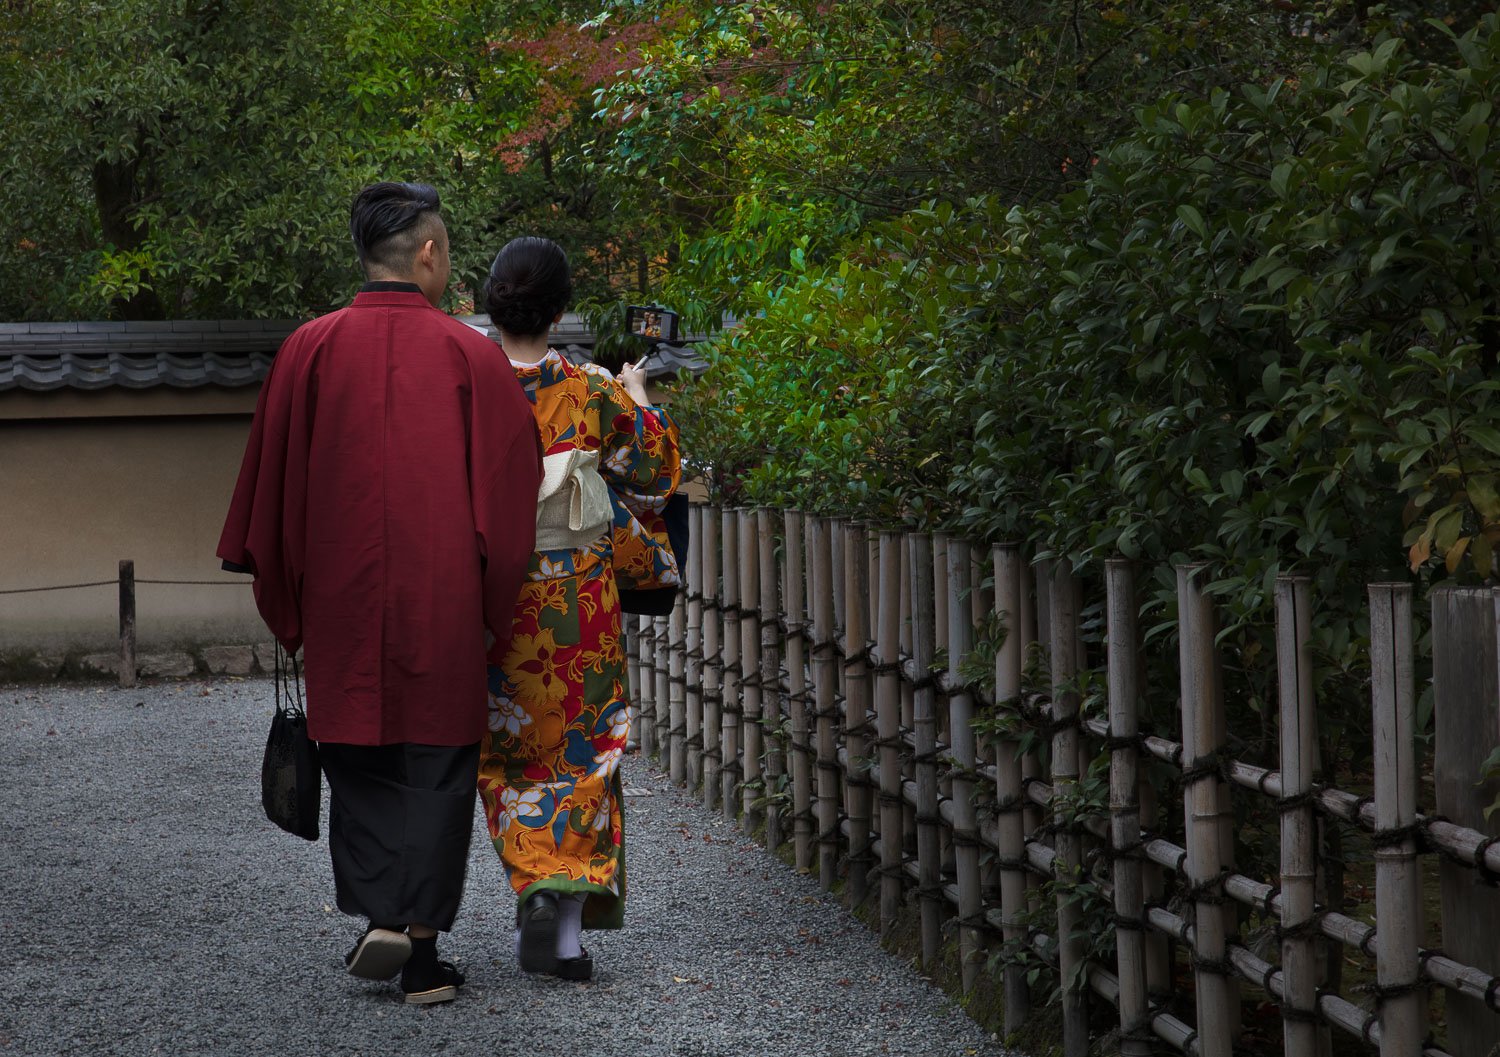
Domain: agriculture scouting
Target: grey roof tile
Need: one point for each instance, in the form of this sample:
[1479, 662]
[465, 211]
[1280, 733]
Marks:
[73, 370]
[193, 353]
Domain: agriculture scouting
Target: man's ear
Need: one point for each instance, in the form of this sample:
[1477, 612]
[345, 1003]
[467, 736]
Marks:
[428, 253]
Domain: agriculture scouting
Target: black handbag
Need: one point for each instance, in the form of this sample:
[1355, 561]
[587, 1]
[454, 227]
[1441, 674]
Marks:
[291, 778]
[658, 601]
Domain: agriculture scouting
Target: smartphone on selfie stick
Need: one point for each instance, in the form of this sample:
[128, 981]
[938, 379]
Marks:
[651, 323]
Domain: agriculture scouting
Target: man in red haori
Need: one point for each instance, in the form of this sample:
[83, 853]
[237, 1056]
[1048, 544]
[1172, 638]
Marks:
[387, 509]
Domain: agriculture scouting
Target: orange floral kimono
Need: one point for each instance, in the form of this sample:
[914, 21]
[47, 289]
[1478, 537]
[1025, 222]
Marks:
[559, 712]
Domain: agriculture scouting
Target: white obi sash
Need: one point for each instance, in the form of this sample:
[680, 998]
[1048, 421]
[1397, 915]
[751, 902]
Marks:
[573, 505]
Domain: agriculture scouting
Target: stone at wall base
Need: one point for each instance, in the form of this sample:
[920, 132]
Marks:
[166, 665]
[265, 656]
[100, 664]
[229, 660]
[24, 666]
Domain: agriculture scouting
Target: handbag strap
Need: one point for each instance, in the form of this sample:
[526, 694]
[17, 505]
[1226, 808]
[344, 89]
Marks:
[285, 690]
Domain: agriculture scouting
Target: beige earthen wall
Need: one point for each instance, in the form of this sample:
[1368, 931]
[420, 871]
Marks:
[89, 478]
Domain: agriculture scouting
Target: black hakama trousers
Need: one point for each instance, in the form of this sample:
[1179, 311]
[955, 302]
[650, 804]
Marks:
[399, 826]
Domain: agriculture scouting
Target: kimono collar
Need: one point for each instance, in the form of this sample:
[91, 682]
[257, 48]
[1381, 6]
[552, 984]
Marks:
[391, 292]
[551, 356]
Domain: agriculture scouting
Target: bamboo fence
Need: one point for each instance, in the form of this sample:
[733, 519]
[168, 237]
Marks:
[814, 683]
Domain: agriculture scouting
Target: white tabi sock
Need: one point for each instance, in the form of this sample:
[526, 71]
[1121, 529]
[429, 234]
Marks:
[570, 926]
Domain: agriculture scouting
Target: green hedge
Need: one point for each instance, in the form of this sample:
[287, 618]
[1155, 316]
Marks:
[1262, 334]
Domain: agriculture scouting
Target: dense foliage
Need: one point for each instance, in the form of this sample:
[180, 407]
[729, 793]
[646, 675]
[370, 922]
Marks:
[1261, 333]
[196, 159]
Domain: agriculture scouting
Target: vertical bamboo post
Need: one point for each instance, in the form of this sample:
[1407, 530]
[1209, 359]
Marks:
[646, 721]
[1010, 793]
[1130, 904]
[1299, 739]
[713, 660]
[981, 608]
[732, 708]
[836, 579]
[888, 728]
[857, 698]
[1466, 687]
[127, 623]
[1201, 804]
[693, 641]
[1154, 886]
[663, 696]
[794, 595]
[1124, 679]
[924, 726]
[940, 582]
[677, 692]
[631, 629]
[825, 688]
[1063, 609]
[1398, 903]
[908, 700]
[754, 788]
[770, 675]
[1034, 629]
[965, 761]
[940, 649]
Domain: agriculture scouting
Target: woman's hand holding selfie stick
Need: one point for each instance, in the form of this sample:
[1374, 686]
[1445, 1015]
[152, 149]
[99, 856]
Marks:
[633, 377]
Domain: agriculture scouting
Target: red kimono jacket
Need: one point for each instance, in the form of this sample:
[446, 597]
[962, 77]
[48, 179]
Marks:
[387, 509]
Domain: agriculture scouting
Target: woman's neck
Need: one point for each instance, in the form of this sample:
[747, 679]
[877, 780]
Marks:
[529, 349]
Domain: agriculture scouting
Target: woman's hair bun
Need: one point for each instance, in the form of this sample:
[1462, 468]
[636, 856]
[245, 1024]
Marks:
[529, 284]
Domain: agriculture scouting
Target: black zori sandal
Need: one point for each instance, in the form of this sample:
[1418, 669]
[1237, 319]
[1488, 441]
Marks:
[379, 954]
[538, 921]
[576, 969]
[430, 984]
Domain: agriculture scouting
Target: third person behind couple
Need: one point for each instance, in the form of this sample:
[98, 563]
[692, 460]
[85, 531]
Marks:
[559, 714]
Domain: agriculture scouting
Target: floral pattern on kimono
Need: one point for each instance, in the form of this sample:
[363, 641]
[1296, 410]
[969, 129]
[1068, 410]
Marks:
[643, 557]
[559, 711]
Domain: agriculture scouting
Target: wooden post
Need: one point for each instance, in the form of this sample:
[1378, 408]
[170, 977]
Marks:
[1124, 679]
[1465, 684]
[1201, 805]
[770, 676]
[646, 721]
[1033, 632]
[1299, 740]
[754, 788]
[857, 700]
[1010, 794]
[693, 639]
[825, 666]
[677, 692]
[794, 605]
[713, 661]
[888, 709]
[965, 760]
[924, 729]
[663, 702]
[733, 699]
[630, 625]
[908, 701]
[127, 623]
[1063, 609]
[1398, 891]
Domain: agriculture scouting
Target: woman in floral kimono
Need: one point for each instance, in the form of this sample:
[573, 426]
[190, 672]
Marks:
[559, 717]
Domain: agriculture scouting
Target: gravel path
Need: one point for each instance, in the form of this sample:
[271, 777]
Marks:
[148, 908]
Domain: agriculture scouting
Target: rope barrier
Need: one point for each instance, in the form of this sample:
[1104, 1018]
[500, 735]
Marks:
[115, 582]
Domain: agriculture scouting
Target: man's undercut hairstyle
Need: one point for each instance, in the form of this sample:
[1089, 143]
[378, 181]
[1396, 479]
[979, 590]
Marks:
[391, 221]
[529, 285]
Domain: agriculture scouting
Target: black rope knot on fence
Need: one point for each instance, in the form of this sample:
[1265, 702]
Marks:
[1214, 765]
